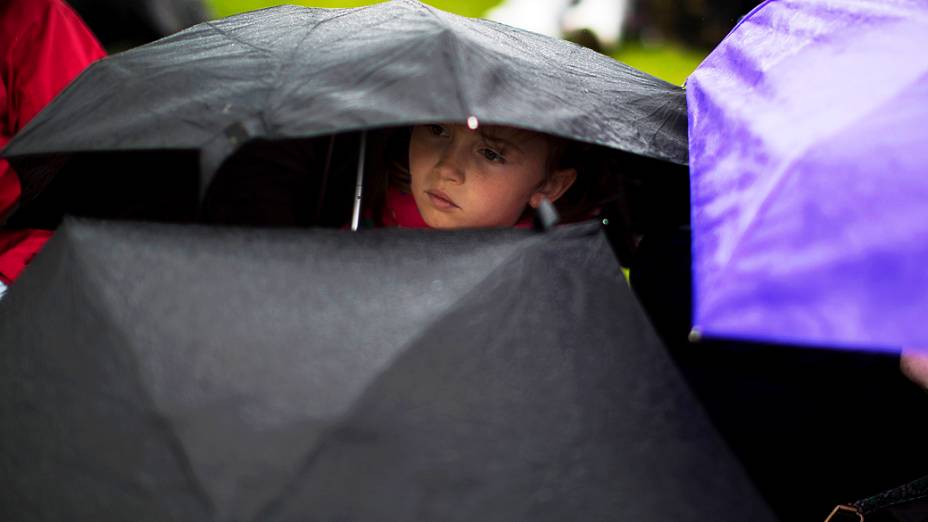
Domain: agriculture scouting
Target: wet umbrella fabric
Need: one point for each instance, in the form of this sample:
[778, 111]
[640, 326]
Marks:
[293, 72]
[808, 165]
[196, 373]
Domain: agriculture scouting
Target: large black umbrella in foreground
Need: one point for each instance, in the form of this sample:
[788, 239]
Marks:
[148, 127]
[167, 372]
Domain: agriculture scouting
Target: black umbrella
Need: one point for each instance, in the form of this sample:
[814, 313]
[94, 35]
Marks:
[147, 128]
[169, 372]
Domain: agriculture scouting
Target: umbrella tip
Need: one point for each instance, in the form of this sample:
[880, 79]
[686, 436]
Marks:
[472, 122]
[695, 335]
[546, 216]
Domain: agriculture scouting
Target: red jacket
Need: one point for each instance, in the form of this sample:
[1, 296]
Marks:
[43, 46]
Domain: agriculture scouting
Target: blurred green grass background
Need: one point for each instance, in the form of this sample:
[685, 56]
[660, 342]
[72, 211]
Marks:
[466, 8]
[666, 61]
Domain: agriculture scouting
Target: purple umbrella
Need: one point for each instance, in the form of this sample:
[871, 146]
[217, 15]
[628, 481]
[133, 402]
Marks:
[809, 158]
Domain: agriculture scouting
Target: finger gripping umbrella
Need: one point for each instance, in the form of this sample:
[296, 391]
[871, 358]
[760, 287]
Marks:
[808, 176]
[293, 72]
[190, 373]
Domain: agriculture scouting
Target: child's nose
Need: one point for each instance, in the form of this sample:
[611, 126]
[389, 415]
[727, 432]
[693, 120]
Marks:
[451, 166]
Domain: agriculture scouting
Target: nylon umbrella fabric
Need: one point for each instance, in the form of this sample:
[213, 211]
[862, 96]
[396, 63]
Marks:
[195, 373]
[807, 166]
[293, 72]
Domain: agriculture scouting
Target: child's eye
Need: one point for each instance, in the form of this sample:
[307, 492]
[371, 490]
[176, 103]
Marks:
[437, 130]
[493, 156]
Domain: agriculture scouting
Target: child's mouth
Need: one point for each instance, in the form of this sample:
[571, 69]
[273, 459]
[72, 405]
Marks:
[440, 200]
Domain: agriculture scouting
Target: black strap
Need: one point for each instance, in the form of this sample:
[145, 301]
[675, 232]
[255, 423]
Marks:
[914, 491]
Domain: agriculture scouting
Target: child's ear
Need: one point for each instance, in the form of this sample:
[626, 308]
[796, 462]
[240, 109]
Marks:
[555, 187]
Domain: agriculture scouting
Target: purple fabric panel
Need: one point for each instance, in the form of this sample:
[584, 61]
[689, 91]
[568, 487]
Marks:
[809, 173]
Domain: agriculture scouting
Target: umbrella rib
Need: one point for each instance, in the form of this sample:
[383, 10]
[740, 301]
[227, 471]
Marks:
[783, 173]
[174, 443]
[236, 39]
[399, 52]
[290, 63]
[452, 61]
[753, 215]
[269, 509]
[664, 121]
[284, 68]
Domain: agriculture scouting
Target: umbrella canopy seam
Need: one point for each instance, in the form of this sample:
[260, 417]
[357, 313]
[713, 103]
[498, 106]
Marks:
[572, 232]
[95, 282]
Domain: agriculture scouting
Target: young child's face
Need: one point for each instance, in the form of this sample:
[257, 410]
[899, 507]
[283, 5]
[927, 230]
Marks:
[468, 179]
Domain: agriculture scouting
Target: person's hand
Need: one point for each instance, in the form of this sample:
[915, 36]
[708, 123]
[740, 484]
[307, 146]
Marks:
[914, 364]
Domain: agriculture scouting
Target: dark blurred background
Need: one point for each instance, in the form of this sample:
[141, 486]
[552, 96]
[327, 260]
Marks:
[122, 24]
